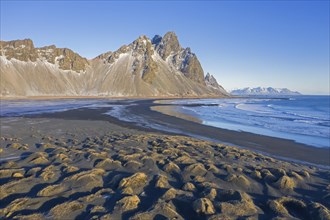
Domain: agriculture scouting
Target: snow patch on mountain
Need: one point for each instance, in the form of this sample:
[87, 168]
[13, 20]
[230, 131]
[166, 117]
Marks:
[263, 91]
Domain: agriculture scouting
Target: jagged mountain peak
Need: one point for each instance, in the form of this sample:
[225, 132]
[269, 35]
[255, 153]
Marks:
[211, 82]
[156, 39]
[208, 76]
[170, 37]
[167, 44]
[157, 67]
[142, 46]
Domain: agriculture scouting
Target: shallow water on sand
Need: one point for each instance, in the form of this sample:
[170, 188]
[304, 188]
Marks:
[304, 119]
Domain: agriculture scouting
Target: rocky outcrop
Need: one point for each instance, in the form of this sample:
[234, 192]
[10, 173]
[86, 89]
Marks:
[167, 44]
[19, 49]
[65, 58]
[145, 68]
[24, 50]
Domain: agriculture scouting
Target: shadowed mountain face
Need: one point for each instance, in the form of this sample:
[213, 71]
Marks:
[157, 67]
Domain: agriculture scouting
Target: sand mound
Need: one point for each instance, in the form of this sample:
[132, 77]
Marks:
[184, 160]
[64, 210]
[37, 216]
[239, 180]
[80, 182]
[304, 173]
[108, 164]
[318, 211]
[45, 146]
[20, 204]
[160, 210]
[133, 165]
[285, 183]
[296, 176]
[172, 167]
[152, 176]
[22, 185]
[162, 182]
[189, 187]
[70, 169]
[86, 180]
[210, 193]
[128, 203]
[169, 194]
[256, 174]
[237, 204]
[283, 206]
[5, 173]
[203, 206]
[40, 161]
[212, 168]
[18, 146]
[52, 190]
[138, 180]
[50, 173]
[195, 169]
[267, 175]
[33, 171]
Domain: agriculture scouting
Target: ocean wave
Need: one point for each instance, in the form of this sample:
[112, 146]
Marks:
[282, 117]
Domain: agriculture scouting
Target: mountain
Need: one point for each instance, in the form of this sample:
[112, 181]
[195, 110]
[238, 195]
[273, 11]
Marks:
[144, 68]
[212, 82]
[259, 91]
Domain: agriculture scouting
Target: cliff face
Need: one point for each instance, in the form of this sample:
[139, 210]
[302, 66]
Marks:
[157, 67]
[182, 59]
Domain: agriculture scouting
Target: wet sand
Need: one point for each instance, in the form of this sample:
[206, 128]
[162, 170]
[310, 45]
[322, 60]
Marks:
[82, 164]
[278, 147]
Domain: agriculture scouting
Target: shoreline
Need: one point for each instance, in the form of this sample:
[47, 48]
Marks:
[276, 147]
[271, 146]
[83, 163]
[14, 98]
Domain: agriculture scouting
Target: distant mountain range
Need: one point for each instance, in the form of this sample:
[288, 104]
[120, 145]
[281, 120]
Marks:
[144, 68]
[259, 91]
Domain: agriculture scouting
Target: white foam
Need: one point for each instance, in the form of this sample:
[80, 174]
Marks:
[273, 117]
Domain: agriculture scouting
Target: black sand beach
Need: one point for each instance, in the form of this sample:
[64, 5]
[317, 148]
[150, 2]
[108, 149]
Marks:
[278, 147]
[83, 164]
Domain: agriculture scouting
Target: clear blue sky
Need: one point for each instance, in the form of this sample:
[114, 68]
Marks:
[242, 43]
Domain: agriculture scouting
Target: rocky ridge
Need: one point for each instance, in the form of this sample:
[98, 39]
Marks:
[24, 50]
[157, 67]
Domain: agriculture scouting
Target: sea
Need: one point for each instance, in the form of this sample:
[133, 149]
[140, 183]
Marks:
[304, 119]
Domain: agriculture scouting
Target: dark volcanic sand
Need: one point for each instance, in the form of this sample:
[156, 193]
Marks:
[93, 169]
[281, 148]
[83, 164]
